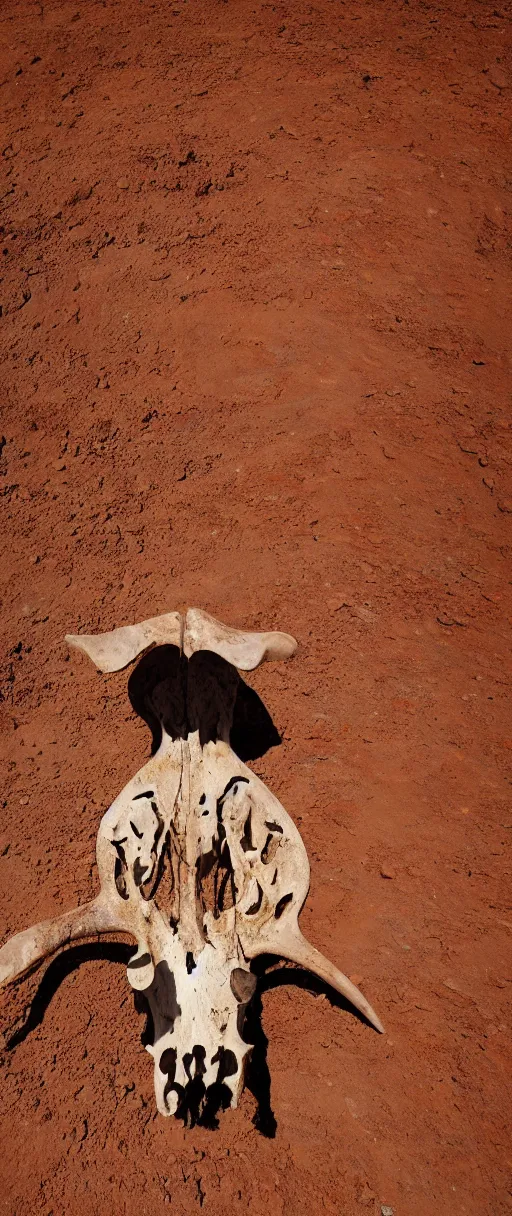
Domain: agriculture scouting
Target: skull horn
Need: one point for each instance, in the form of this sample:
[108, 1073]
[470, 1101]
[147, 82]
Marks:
[29, 948]
[297, 949]
[244, 650]
[115, 650]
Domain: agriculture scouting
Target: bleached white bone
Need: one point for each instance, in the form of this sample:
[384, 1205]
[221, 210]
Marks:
[199, 631]
[115, 650]
[27, 949]
[243, 650]
[201, 865]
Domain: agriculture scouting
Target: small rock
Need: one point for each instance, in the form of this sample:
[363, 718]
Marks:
[366, 1196]
[505, 505]
[337, 603]
[498, 77]
[123, 183]
[385, 1210]
[489, 482]
[387, 872]
[356, 979]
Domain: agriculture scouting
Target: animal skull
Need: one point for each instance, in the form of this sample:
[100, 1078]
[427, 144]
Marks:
[197, 861]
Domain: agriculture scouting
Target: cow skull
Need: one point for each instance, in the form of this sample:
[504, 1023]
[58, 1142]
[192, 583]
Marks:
[197, 861]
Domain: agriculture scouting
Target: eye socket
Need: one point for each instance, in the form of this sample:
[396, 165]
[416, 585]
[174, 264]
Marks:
[243, 984]
[282, 904]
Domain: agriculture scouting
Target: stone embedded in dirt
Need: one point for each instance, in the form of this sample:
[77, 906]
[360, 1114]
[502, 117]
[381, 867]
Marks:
[356, 979]
[498, 77]
[337, 602]
[452, 986]
[489, 482]
[366, 1196]
[505, 505]
[387, 872]
[123, 183]
[385, 1210]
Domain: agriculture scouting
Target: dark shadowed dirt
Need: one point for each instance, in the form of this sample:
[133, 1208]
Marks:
[254, 331]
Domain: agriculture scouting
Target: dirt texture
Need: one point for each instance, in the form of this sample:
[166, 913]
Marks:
[254, 325]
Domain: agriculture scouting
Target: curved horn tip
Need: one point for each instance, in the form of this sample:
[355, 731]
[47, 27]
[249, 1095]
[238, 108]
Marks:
[375, 1021]
[294, 947]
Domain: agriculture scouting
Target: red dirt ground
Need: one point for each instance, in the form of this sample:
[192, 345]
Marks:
[254, 297]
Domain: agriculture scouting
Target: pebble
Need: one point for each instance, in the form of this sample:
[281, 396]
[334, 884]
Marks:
[385, 1210]
[498, 77]
[489, 482]
[336, 603]
[366, 1196]
[123, 183]
[505, 505]
[387, 872]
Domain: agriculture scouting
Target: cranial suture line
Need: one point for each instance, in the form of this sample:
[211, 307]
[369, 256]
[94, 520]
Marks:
[184, 859]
